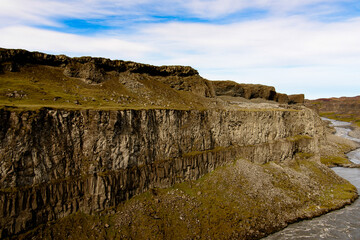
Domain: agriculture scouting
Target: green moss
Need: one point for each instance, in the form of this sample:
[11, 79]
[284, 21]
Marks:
[195, 153]
[304, 155]
[332, 161]
[297, 138]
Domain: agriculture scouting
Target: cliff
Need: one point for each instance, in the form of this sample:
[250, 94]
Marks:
[86, 135]
[56, 162]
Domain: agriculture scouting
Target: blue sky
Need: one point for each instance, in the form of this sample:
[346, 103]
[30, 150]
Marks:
[299, 46]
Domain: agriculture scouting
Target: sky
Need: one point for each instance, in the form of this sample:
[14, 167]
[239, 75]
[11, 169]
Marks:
[297, 46]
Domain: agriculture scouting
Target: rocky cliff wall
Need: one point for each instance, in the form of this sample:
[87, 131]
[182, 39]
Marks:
[56, 162]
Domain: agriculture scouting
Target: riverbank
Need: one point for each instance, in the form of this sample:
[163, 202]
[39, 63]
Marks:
[339, 142]
[342, 224]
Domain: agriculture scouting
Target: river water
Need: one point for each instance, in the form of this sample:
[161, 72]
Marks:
[341, 224]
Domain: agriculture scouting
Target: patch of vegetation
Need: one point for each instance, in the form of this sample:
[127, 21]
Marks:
[332, 161]
[297, 138]
[304, 155]
[195, 153]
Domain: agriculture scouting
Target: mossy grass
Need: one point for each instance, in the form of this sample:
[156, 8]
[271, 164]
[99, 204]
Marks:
[332, 161]
[297, 138]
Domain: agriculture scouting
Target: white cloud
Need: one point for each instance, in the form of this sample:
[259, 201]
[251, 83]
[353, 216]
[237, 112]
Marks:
[261, 43]
[39, 12]
[294, 54]
[219, 8]
[59, 43]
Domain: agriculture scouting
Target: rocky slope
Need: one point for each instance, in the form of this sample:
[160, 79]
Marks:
[86, 135]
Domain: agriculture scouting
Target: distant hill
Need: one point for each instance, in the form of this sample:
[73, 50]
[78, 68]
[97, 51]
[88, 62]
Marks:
[343, 108]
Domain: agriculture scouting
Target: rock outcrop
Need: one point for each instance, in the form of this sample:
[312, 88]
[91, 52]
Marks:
[297, 98]
[251, 91]
[56, 162]
[83, 66]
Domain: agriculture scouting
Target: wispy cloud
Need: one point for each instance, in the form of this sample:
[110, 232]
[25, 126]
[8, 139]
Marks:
[50, 12]
[74, 45]
[276, 42]
[268, 42]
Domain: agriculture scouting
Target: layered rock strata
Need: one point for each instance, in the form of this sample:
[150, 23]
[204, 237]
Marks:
[56, 162]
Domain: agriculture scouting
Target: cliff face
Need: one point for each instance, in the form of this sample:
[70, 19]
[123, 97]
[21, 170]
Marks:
[85, 134]
[56, 162]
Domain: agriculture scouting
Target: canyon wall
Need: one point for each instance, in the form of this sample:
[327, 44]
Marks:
[56, 162]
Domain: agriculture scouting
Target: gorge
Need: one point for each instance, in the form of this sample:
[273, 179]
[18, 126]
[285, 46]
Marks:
[129, 150]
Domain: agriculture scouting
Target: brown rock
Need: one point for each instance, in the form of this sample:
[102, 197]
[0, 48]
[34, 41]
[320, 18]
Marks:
[296, 99]
[248, 91]
[282, 98]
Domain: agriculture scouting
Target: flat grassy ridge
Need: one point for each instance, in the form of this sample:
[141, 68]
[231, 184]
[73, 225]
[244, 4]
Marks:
[36, 86]
[242, 200]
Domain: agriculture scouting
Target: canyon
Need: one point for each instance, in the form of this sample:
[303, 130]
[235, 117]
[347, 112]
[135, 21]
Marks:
[95, 136]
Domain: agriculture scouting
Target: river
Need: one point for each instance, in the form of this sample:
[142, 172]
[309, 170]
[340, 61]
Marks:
[341, 224]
